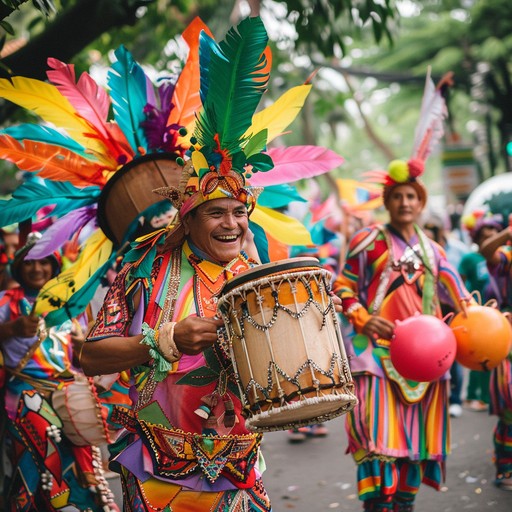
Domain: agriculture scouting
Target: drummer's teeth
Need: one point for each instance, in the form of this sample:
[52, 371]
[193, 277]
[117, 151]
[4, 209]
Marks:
[228, 237]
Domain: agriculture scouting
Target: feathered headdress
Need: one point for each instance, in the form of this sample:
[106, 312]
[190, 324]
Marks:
[228, 145]
[234, 76]
[79, 153]
[229, 156]
[428, 133]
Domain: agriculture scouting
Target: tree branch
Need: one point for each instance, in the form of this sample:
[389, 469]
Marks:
[70, 33]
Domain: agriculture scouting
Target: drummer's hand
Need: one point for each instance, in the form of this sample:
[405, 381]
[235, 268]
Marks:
[337, 302]
[26, 326]
[194, 334]
[378, 327]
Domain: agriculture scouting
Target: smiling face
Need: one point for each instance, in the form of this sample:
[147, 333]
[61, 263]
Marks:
[218, 228]
[36, 273]
[404, 206]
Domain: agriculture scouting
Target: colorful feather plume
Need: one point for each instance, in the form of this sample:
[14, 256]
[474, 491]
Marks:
[430, 126]
[234, 76]
[429, 130]
[82, 150]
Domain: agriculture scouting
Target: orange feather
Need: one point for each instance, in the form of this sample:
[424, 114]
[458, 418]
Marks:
[51, 162]
[186, 98]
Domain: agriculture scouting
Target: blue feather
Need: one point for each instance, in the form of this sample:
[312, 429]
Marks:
[128, 82]
[36, 193]
[261, 242]
[207, 46]
[39, 133]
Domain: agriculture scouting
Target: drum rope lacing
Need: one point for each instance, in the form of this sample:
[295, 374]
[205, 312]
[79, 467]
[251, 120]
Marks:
[242, 315]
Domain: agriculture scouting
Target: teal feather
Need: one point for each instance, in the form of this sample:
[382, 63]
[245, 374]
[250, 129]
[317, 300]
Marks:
[261, 241]
[279, 196]
[207, 45]
[45, 134]
[234, 84]
[128, 94]
[34, 194]
[78, 302]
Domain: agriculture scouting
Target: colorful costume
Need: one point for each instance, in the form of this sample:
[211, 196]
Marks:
[399, 434]
[47, 472]
[501, 377]
[185, 432]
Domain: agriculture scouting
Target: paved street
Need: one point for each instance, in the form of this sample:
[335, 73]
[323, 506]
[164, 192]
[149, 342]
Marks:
[317, 476]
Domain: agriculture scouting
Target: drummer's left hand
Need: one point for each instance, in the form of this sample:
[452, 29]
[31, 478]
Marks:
[337, 302]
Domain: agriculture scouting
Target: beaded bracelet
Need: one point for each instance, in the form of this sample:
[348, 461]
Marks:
[161, 364]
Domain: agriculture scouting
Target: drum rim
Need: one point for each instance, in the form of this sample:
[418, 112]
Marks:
[260, 271]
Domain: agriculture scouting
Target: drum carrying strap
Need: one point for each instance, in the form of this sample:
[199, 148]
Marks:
[155, 316]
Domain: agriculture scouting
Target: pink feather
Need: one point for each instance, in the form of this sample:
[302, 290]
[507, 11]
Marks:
[92, 103]
[90, 100]
[295, 163]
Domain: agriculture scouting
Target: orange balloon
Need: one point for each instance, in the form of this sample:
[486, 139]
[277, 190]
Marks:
[484, 337]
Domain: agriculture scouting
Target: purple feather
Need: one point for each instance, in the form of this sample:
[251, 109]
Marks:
[61, 231]
[158, 134]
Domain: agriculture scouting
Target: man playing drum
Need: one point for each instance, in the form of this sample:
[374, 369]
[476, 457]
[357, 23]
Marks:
[186, 445]
[399, 432]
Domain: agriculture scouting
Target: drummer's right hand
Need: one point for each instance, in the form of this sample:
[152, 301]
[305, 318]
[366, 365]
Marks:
[378, 327]
[194, 334]
[26, 326]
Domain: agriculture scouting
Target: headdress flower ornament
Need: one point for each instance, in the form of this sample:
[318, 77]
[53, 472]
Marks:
[229, 154]
[429, 130]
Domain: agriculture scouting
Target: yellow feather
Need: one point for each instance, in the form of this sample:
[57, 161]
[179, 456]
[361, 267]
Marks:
[278, 116]
[58, 290]
[48, 103]
[199, 161]
[283, 228]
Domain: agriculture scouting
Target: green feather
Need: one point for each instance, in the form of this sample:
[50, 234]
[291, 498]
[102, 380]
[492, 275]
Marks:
[234, 84]
[256, 144]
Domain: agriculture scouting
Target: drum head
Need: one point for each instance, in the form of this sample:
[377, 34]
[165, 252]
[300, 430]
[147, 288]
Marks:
[274, 267]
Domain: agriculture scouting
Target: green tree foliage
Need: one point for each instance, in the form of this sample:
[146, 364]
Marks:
[474, 40]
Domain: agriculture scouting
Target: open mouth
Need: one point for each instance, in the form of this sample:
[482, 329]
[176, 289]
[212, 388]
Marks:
[226, 238]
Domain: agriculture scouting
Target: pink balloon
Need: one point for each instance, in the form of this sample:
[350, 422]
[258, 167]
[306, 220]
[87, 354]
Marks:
[423, 348]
